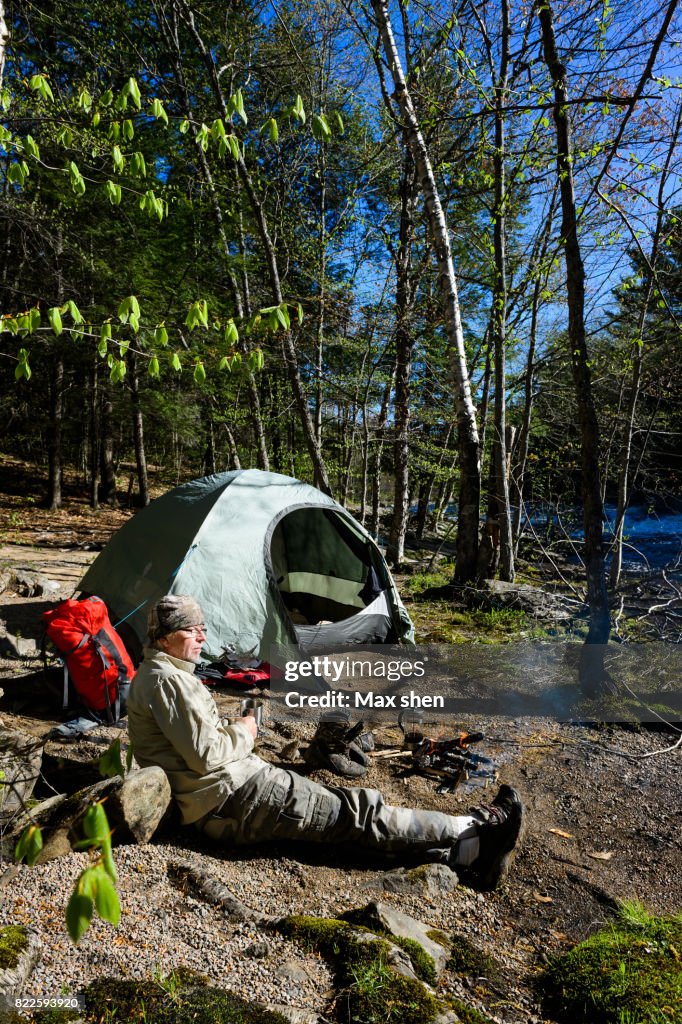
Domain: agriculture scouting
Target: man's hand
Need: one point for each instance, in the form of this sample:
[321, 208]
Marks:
[250, 722]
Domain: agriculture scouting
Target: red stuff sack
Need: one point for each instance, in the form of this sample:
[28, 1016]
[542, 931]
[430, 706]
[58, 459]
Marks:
[93, 652]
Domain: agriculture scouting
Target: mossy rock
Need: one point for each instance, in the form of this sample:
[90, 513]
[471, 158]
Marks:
[373, 992]
[627, 973]
[424, 965]
[13, 942]
[153, 1003]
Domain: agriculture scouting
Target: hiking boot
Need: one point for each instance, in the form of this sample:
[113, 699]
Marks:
[350, 762]
[333, 748]
[499, 832]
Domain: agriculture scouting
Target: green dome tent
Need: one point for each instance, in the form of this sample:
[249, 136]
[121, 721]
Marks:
[270, 560]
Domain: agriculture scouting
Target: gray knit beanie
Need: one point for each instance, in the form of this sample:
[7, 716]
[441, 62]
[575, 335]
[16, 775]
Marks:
[171, 612]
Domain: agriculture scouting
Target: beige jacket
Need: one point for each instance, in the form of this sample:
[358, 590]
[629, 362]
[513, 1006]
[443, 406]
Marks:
[173, 722]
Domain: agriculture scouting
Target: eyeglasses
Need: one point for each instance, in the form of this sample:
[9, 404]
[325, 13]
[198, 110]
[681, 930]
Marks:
[194, 631]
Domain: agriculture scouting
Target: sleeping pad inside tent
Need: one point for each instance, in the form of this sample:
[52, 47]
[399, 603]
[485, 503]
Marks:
[269, 558]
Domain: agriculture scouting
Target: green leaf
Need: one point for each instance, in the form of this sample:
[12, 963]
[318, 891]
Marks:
[153, 367]
[298, 110]
[321, 129]
[41, 85]
[118, 158]
[85, 100]
[174, 360]
[256, 360]
[128, 130]
[161, 335]
[32, 147]
[199, 373]
[299, 312]
[74, 312]
[105, 331]
[233, 143]
[218, 129]
[338, 122]
[34, 319]
[271, 128]
[110, 764]
[78, 916]
[132, 90]
[202, 137]
[138, 165]
[134, 322]
[17, 173]
[55, 317]
[237, 101]
[231, 333]
[118, 371]
[283, 316]
[95, 824]
[29, 846]
[102, 348]
[159, 112]
[184, 127]
[106, 98]
[106, 899]
[113, 193]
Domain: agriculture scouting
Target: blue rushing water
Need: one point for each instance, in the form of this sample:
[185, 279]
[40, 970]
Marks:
[653, 539]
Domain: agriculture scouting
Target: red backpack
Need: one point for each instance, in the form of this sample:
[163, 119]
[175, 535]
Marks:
[92, 651]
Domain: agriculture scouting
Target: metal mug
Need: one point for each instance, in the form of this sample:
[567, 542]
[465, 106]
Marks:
[251, 706]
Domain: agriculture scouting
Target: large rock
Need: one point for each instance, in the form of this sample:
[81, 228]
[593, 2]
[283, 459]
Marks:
[134, 808]
[20, 759]
[14, 646]
[19, 953]
[425, 880]
[523, 597]
[33, 584]
[138, 806]
[384, 918]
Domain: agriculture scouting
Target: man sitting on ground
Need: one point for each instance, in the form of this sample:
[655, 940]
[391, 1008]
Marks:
[234, 796]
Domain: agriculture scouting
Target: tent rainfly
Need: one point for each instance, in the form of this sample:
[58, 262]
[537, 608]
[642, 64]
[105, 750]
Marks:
[270, 560]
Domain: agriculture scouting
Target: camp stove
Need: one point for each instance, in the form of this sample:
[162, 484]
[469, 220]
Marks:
[453, 763]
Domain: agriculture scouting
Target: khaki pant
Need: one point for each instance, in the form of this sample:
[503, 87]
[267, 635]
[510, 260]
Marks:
[279, 804]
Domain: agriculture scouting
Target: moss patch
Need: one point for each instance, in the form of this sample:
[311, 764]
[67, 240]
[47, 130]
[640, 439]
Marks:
[467, 959]
[467, 1014]
[424, 965]
[151, 1003]
[628, 973]
[373, 992]
[13, 942]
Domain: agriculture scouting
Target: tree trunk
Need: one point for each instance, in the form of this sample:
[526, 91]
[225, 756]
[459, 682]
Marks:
[404, 299]
[425, 489]
[54, 450]
[108, 486]
[373, 528]
[469, 455]
[593, 676]
[94, 435]
[138, 433]
[503, 513]
[4, 39]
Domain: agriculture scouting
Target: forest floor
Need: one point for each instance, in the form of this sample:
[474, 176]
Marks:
[604, 819]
